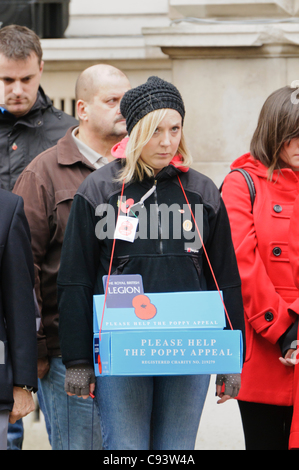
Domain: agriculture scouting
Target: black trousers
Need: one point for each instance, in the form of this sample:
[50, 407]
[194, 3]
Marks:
[266, 427]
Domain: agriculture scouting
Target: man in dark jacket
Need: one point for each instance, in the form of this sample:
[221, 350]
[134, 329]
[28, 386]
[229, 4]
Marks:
[29, 124]
[18, 344]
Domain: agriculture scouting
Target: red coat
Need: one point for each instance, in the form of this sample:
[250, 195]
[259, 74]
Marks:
[294, 257]
[271, 302]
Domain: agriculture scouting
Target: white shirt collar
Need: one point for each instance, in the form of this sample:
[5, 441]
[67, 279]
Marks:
[97, 160]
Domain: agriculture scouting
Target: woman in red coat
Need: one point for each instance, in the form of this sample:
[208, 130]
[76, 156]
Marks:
[260, 235]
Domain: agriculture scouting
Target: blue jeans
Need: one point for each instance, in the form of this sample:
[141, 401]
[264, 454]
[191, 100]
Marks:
[151, 413]
[73, 423]
[15, 436]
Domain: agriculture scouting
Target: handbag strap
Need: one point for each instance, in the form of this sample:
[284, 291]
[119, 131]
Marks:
[250, 184]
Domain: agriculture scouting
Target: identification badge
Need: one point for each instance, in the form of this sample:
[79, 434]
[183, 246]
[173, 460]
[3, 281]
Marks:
[126, 228]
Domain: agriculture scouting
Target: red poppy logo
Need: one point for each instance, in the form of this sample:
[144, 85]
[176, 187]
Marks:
[144, 309]
[126, 229]
[126, 206]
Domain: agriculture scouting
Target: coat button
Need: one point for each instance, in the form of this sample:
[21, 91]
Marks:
[269, 317]
[277, 208]
[277, 251]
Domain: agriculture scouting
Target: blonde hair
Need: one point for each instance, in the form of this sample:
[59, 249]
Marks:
[135, 168]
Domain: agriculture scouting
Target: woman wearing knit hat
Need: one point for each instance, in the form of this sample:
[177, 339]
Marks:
[152, 168]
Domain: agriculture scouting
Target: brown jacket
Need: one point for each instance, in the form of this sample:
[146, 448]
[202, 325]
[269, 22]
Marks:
[48, 186]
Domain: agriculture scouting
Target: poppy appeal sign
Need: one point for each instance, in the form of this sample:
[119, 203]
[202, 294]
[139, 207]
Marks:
[162, 334]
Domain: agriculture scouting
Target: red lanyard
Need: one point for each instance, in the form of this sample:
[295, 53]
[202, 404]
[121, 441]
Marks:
[207, 256]
[205, 252]
[108, 279]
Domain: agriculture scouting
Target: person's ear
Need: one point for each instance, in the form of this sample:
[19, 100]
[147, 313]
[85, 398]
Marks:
[41, 67]
[82, 110]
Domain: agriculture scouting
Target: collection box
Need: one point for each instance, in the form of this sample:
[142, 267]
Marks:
[162, 334]
[165, 352]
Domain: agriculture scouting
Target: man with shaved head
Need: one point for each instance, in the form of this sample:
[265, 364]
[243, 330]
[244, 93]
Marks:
[99, 91]
[48, 186]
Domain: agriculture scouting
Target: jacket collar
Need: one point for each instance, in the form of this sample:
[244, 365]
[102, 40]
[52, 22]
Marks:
[255, 167]
[169, 172]
[68, 152]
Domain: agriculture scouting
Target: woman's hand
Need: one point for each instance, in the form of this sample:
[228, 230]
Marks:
[80, 381]
[290, 358]
[232, 387]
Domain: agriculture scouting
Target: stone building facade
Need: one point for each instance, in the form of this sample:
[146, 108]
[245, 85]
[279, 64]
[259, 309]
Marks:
[225, 57]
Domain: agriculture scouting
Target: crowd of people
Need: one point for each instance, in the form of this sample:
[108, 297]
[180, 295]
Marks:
[55, 172]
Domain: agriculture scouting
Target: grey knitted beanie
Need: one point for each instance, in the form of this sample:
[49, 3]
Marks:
[152, 95]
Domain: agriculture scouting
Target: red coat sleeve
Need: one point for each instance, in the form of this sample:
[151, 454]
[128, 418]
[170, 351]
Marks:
[265, 309]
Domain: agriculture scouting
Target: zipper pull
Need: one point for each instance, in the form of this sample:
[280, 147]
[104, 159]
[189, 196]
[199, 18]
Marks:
[146, 196]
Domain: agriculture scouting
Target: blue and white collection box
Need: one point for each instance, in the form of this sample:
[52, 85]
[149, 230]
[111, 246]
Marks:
[162, 334]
